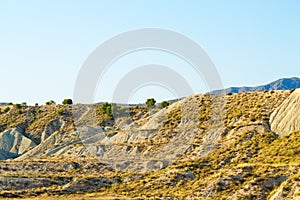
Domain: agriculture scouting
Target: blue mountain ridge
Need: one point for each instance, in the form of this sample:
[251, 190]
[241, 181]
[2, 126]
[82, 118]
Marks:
[281, 84]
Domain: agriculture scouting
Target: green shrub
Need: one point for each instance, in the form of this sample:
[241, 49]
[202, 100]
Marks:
[17, 106]
[5, 110]
[108, 111]
[150, 102]
[164, 104]
[60, 111]
[105, 109]
[67, 102]
[51, 102]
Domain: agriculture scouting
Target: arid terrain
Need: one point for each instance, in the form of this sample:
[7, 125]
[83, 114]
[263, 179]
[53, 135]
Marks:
[233, 146]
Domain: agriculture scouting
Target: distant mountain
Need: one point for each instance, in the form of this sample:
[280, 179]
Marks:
[281, 84]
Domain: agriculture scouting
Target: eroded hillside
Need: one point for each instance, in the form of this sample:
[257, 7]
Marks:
[235, 146]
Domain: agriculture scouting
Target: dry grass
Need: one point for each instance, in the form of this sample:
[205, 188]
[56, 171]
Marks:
[240, 160]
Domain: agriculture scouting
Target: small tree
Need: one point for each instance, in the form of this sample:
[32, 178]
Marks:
[36, 104]
[105, 109]
[67, 102]
[109, 111]
[24, 104]
[51, 102]
[17, 106]
[150, 102]
[164, 104]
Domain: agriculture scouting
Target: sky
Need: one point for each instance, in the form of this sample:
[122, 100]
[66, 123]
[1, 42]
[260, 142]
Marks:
[43, 44]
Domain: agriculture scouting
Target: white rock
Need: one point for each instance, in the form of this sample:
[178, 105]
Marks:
[286, 118]
[13, 143]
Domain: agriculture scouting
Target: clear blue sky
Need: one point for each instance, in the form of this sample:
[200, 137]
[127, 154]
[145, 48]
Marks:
[44, 43]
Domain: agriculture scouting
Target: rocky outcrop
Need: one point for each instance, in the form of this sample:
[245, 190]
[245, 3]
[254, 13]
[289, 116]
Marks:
[51, 128]
[286, 118]
[13, 143]
[53, 144]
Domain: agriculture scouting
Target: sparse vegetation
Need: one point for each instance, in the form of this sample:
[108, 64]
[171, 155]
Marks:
[67, 102]
[243, 160]
[60, 111]
[164, 104]
[17, 106]
[105, 109]
[6, 109]
[51, 102]
[150, 102]
[24, 104]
